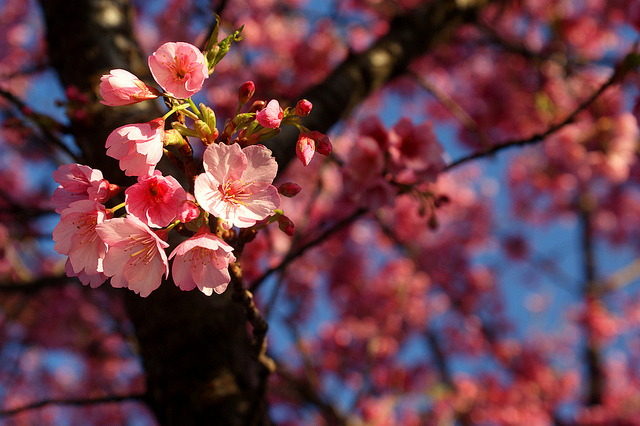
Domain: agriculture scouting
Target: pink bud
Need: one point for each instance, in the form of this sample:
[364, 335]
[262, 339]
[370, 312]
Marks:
[305, 148]
[289, 189]
[323, 144]
[286, 225]
[120, 87]
[303, 108]
[188, 211]
[271, 116]
[245, 92]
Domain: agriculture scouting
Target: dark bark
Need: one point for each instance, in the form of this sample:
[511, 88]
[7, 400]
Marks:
[198, 358]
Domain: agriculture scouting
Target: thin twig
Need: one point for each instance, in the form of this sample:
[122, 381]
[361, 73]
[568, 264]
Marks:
[538, 137]
[46, 132]
[294, 254]
[453, 107]
[593, 356]
[79, 402]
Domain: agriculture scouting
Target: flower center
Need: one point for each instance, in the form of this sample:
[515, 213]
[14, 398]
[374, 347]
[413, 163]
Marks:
[143, 248]
[235, 191]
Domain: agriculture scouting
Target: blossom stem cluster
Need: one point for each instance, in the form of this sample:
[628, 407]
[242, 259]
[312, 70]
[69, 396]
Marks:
[233, 187]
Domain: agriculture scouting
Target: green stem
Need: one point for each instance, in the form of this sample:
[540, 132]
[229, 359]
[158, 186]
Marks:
[194, 108]
[178, 108]
[116, 208]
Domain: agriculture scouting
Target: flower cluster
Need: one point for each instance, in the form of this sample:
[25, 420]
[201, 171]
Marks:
[233, 190]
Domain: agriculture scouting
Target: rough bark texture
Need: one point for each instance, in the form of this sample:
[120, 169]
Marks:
[196, 352]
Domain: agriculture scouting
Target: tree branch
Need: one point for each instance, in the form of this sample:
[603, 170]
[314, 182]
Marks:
[409, 37]
[538, 137]
[36, 119]
[299, 251]
[593, 356]
[80, 402]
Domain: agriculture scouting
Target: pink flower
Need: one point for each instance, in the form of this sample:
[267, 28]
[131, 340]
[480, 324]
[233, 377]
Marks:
[120, 87]
[93, 281]
[202, 261]
[271, 115]
[78, 182]
[179, 68]
[136, 257]
[305, 148]
[236, 185]
[137, 146]
[75, 235]
[416, 154]
[155, 199]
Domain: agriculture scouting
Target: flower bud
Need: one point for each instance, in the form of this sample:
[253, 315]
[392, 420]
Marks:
[305, 148]
[323, 144]
[257, 106]
[204, 132]
[245, 92]
[172, 137]
[120, 87]
[289, 189]
[187, 211]
[303, 108]
[286, 225]
[271, 115]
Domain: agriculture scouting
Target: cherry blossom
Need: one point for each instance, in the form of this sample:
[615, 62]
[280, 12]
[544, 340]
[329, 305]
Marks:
[188, 210]
[136, 257]
[120, 87]
[155, 199]
[415, 152]
[179, 68]
[305, 148]
[303, 108]
[93, 281]
[76, 236]
[137, 146]
[246, 91]
[202, 261]
[79, 182]
[271, 115]
[236, 185]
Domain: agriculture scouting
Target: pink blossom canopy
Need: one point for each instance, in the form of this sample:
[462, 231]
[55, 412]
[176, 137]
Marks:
[236, 185]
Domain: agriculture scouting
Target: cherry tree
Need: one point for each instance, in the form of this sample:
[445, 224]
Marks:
[343, 212]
